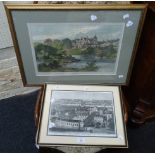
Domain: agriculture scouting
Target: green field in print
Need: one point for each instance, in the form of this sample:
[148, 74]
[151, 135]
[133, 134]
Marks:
[76, 47]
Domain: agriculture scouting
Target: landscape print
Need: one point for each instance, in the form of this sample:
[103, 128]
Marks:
[76, 47]
[78, 113]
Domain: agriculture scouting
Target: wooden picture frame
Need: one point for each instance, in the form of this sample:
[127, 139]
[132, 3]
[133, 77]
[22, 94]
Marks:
[58, 126]
[28, 21]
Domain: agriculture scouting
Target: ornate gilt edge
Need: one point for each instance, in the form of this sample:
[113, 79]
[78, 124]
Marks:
[74, 6]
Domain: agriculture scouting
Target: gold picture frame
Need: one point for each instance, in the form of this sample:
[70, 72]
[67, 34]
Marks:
[52, 132]
[27, 65]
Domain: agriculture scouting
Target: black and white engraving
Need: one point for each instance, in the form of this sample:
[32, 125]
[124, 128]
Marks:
[82, 113]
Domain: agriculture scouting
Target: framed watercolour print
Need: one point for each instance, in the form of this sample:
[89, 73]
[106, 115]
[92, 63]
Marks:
[82, 115]
[75, 44]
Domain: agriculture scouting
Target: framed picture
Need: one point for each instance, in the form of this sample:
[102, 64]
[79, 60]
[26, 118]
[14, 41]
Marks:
[75, 44]
[82, 115]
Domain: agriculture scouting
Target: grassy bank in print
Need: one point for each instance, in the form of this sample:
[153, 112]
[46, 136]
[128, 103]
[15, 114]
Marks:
[82, 54]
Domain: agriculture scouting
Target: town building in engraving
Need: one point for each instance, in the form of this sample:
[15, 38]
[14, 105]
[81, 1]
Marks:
[82, 117]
